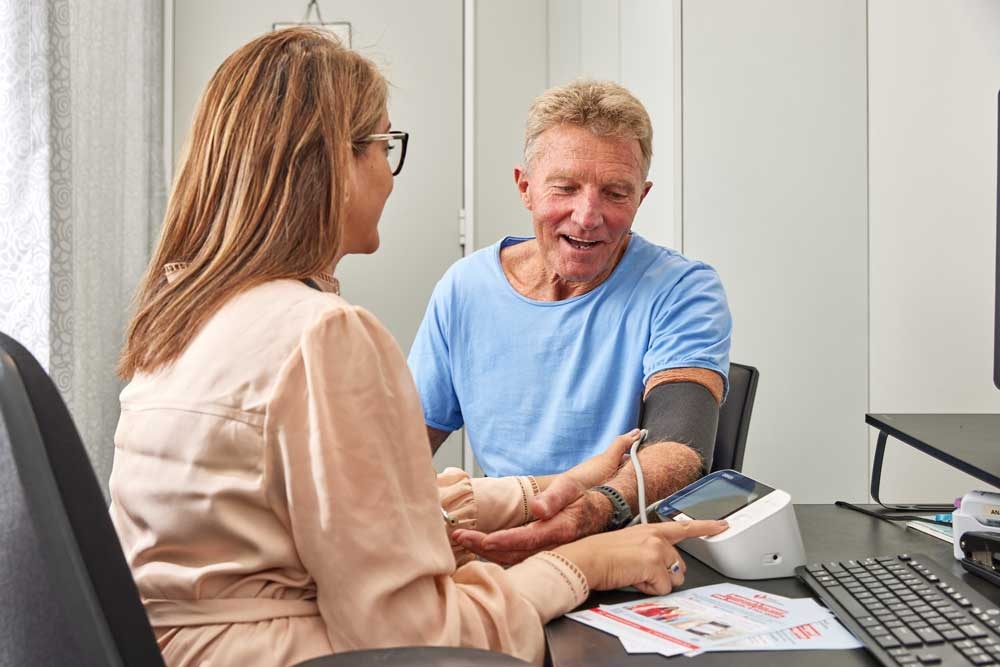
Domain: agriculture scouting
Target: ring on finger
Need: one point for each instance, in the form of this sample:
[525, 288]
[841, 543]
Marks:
[675, 568]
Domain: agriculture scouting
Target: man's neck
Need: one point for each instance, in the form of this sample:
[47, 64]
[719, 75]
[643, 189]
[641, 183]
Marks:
[527, 273]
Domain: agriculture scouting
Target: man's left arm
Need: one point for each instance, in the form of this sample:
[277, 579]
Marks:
[680, 411]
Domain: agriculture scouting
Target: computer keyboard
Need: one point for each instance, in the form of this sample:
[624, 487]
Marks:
[908, 611]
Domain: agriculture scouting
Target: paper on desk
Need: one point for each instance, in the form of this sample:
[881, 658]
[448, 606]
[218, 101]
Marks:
[718, 614]
[827, 634]
[634, 638]
[701, 618]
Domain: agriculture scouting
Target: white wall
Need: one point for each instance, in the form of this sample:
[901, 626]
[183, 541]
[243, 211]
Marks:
[774, 186]
[934, 72]
[508, 77]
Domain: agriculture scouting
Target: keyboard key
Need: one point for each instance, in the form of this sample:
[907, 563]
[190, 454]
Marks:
[847, 601]
[952, 634]
[906, 636]
[929, 635]
[929, 659]
[887, 641]
[972, 631]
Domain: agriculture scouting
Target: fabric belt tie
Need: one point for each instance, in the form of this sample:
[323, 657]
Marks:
[214, 611]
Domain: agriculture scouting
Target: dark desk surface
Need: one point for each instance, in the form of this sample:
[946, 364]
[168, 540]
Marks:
[829, 533]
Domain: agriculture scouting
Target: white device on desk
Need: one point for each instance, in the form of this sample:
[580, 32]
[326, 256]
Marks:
[980, 511]
[763, 539]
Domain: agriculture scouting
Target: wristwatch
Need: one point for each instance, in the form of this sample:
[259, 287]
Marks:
[621, 513]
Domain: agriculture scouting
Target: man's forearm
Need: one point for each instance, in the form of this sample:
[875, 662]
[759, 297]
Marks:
[666, 467]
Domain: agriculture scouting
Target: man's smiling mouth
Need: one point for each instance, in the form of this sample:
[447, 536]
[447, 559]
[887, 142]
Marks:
[579, 244]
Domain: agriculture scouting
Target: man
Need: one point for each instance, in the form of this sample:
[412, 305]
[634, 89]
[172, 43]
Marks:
[547, 348]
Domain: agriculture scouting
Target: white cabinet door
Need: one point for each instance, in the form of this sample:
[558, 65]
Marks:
[419, 48]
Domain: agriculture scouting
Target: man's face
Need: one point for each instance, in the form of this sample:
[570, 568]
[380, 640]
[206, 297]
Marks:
[583, 192]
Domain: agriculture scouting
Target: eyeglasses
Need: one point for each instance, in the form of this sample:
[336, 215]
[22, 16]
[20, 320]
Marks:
[395, 148]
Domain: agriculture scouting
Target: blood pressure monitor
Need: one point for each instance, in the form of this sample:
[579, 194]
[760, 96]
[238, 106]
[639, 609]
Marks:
[763, 539]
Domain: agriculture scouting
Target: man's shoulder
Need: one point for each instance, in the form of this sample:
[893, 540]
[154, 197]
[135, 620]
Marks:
[666, 266]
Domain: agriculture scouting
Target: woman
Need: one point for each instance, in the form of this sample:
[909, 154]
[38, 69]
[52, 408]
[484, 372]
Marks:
[272, 484]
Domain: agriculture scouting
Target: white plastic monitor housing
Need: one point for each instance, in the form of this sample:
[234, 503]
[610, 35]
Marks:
[980, 511]
[763, 539]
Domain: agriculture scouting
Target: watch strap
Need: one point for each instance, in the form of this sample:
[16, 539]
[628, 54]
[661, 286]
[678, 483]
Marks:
[621, 513]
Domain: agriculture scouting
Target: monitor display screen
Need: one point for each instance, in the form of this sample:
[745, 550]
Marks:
[719, 497]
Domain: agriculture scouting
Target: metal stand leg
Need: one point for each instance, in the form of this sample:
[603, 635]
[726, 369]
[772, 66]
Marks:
[876, 478]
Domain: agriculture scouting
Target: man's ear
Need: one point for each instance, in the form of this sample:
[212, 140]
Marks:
[645, 190]
[521, 181]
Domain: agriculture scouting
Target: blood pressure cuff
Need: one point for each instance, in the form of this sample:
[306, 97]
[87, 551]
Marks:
[684, 412]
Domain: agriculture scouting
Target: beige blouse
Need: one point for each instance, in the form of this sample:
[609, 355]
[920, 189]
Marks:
[274, 494]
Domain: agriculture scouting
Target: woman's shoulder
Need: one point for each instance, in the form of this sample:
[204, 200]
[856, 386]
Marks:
[254, 333]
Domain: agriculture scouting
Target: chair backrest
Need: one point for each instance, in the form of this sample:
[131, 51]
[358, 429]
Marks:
[67, 594]
[734, 418]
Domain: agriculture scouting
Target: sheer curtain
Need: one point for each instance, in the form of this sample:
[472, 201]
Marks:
[82, 188]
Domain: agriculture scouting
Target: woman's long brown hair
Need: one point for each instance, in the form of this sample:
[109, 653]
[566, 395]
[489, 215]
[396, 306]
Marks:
[261, 190]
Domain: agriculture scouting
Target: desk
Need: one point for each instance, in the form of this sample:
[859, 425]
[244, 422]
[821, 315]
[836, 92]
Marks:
[829, 533]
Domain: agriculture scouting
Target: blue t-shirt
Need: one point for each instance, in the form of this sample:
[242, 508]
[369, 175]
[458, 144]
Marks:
[543, 385]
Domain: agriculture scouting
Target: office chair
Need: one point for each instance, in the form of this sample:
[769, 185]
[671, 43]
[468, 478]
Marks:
[734, 418]
[67, 596]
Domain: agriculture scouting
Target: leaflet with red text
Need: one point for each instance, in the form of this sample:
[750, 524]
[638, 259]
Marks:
[699, 619]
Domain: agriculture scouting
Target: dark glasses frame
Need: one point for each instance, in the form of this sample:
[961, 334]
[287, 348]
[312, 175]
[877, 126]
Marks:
[388, 136]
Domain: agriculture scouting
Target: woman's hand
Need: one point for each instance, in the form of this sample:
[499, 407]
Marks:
[561, 490]
[642, 556]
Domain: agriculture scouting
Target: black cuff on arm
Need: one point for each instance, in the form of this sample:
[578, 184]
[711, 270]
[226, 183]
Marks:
[684, 412]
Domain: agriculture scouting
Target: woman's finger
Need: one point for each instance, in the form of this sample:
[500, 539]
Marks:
[622, 444]
[677, 531]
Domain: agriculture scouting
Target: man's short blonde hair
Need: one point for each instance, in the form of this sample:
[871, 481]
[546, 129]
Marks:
[603, 107]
